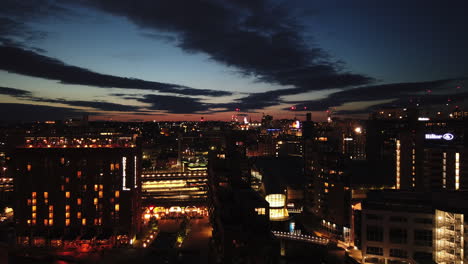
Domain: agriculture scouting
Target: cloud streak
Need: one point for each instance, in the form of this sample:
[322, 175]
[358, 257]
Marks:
[30, 63]
[403, 94]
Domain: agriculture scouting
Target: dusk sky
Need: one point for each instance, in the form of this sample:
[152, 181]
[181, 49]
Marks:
[181, 60]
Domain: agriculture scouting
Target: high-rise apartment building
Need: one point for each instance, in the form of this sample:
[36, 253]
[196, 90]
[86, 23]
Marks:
[76, 186]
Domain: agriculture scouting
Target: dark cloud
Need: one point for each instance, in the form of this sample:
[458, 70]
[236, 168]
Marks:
[174, 104]
[402, 94]
[15, 16]
[98, 105]
[29, 112]
[258, 38]
[15, 92]
[30, 63]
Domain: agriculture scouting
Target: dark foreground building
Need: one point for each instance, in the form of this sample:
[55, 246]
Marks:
[76, 188]
[239, 215]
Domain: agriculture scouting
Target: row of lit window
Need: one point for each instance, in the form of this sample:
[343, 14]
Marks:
[175, 174]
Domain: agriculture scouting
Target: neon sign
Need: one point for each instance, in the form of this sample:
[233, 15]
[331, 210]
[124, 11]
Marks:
[446, 136]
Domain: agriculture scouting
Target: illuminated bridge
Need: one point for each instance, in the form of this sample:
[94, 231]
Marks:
[301, 237]
[174, 188]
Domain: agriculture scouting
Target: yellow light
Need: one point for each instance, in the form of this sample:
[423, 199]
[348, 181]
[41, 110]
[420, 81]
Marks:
[117, 207]
[83, 221]
[117, 194]
[67, 194]
[46, 195]
[78, 201]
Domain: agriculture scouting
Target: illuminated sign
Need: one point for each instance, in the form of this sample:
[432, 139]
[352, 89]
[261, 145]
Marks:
[124, 174]
[446, 136]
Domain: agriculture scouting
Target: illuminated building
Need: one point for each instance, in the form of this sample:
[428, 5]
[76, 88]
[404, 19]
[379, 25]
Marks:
[174, 187]
[415, 152]
[277, 203]
[76, 187]
[432, 156]
[288, 148]
[414, 227]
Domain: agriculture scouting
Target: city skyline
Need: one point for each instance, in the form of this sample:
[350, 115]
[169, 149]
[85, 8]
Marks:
[180, 60]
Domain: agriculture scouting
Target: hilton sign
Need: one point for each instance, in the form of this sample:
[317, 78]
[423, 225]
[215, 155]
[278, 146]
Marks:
[446, 136]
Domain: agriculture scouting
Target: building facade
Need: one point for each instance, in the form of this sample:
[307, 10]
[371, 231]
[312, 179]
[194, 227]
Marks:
[76, 187]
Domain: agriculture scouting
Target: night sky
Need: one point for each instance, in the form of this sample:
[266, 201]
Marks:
[180, 60]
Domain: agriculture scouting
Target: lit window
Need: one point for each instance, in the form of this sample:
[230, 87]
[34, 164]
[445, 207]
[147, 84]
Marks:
[62, 188]
[117, 194]
[33, 208]
[29, 201]
[51, 208]
[78, 201]
[83, 221]
[34, 222]
[28, 167]
[46, 222]
[67, 194]
[117, 207]
[78, 174]
[67, 215]
[67, 180]
[78, 215]
[34, 201]
[95, 187]
[33, 195]
[46, 195]
[62, 160]
[112, 167]
[51, 222]
[100, 194]
[95, 201]
[51, 215]
[101, 187]
[33, 215]
[67, 222]
[67, 207]
[260, 211]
